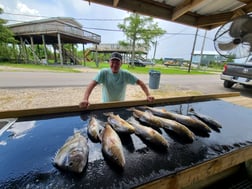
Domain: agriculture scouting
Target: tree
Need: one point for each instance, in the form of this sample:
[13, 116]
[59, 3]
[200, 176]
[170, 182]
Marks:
[140, 31]
[6, 37]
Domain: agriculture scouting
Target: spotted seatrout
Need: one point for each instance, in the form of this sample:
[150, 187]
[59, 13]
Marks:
[148, 133]
[160, 122]
[119, 124]
[73, 155]
[112, 146]
[213, 124]
[94, 128]
[193, 124]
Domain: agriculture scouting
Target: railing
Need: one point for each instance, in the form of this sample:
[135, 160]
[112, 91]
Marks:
[43, 28]
[117, 47]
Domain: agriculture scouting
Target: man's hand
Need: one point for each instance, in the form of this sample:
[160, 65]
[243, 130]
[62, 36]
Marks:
[150, 98]
[84, 104]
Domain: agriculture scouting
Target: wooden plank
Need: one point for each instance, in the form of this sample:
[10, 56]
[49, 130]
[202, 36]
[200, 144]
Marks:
[68, 109]
[202, 171]
[239, 100]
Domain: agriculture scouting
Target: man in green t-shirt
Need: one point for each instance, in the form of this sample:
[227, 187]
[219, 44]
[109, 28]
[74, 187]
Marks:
[114, 81]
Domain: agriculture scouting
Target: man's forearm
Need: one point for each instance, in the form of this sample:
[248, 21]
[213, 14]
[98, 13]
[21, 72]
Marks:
[144, 88]
[89, 90]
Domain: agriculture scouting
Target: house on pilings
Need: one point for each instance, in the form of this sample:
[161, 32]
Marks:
[58, 32]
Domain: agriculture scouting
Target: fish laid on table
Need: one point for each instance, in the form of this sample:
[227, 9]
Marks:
[215, 125]
[73, 155]
[112, 146]
[194, 124]
[148, 133]
[119, 124]
[160, 122]
[94, 128]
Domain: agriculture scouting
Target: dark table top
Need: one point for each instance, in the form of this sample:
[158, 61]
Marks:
[28, 147]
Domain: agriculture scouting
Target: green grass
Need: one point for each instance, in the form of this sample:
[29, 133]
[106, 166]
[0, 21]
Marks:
[55, 68]
[139, 70]
[158, 67]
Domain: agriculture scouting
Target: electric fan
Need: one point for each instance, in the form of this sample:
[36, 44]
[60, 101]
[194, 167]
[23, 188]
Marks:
[234, 39]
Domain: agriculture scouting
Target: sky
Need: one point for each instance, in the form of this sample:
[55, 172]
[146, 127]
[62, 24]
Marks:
[102, 20]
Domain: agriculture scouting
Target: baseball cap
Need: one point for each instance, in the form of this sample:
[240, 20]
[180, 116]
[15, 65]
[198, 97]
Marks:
[116, 55]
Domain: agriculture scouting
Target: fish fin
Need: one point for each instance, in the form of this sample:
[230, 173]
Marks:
[92, 115]
[164, 110]
[135, 115]
[100, 135]
[132, 120]
[108, 113]
[81, 131]
[148, 112]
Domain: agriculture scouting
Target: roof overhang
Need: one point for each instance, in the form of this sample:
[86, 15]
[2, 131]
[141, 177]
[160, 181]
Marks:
[205, 14]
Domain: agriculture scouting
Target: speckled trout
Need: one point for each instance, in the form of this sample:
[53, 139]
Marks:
[119, 124]
[160, 122]
[190, 122]
[112, 146]
[94, 128]
[148, 133]
[73, 155]
[213, 124]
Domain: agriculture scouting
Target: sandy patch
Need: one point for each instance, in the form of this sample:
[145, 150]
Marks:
[18, 99]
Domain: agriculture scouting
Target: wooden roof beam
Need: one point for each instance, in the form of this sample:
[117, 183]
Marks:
[184, 7]
[248, 7]
[245, 1]
[115, 3]
[217, 19]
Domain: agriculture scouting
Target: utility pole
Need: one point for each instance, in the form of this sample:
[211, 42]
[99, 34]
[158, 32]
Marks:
[202, 48]
[155, 48]
[195, 37]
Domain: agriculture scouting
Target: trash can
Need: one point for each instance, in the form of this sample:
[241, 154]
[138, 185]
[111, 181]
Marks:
[154, 79]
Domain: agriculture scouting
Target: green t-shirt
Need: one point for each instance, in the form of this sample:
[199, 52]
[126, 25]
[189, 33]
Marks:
[114, 84]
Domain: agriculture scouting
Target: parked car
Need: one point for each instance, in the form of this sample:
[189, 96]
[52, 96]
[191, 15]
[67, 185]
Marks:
[141, 63]
[237, 73]
[149, 62]
[137, 63]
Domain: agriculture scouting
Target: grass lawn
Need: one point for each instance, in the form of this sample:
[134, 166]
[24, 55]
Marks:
[140, 70]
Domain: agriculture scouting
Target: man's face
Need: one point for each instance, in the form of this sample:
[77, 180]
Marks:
[115, 65]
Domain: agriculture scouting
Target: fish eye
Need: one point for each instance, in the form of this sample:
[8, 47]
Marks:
[71, 164]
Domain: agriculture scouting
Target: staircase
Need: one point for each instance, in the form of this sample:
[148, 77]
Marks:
[68, 54]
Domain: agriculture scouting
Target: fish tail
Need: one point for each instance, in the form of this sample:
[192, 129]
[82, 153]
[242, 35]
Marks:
[144, 107]
[131, 109]
[81, 131]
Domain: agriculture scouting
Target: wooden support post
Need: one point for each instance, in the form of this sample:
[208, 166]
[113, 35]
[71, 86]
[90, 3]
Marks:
[83, 50]
[33, 51]
[44, 45]
[23, 50]
[72, 55]
[60, 49]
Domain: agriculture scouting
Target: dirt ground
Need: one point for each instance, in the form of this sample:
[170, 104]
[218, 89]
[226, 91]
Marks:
[17, 99]
[30, 98]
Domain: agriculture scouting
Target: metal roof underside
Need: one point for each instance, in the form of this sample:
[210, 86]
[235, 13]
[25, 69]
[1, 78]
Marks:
[205, 14]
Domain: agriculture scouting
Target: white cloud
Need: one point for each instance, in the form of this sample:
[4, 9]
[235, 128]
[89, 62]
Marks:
[168, 46]
[1, 6]
[24, 9]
